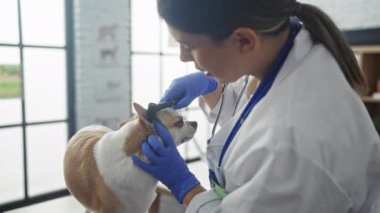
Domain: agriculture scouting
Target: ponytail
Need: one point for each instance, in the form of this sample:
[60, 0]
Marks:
[324, 31]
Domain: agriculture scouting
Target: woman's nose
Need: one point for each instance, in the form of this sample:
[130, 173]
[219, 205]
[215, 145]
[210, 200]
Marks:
[185, 55]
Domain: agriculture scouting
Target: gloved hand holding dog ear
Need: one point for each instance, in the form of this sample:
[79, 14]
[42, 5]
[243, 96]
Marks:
[166, 164]
[185, 89]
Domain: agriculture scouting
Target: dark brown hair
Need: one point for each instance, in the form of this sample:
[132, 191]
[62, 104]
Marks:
[219, 18]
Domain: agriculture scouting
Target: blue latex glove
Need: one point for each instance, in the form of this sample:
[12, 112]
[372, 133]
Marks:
[185, 89]
[166, 164]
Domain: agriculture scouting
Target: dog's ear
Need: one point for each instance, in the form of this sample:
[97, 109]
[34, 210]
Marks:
[143, 115]
[141, 111]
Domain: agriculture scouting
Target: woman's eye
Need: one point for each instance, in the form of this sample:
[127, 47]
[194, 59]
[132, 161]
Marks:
[179, 124]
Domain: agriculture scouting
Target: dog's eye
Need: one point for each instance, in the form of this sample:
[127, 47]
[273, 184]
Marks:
[179, 124]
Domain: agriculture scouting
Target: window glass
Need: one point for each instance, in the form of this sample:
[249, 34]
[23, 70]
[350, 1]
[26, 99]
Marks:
[11, 164]
[10, 86]
[45, 84]
[145, 79]
[168, 43]
[43, 22]
[9, 22]
[198, 144]
[156, 63]
[172, 68]
[46, 145]
[145, 26]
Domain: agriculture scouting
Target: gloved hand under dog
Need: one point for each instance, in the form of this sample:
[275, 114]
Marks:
[185, 89]
[166, 164]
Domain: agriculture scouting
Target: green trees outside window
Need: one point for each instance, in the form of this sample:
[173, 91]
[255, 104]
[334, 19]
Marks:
[10, 81]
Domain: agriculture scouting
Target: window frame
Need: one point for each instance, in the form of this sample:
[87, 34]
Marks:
[70, 89]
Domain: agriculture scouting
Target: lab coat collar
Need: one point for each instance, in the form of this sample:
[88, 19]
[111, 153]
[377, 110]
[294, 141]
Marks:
[302, 46]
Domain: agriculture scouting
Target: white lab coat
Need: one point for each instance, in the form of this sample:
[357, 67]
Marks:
[231, 96]
[309, 146]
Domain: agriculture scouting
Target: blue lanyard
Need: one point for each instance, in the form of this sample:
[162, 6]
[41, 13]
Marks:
[264, 86]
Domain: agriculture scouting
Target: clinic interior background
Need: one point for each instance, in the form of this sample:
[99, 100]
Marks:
[68, 64]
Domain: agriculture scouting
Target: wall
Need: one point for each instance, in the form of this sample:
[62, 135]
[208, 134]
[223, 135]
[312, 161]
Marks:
[102, 48]
[351, 14]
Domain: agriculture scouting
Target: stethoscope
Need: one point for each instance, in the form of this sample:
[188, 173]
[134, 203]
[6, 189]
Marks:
[260, 92]
[242, 91]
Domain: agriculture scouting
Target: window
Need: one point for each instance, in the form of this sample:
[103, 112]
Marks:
[155, 62]
[34, 107]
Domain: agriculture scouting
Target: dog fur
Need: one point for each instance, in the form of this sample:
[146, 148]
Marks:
[98, 168]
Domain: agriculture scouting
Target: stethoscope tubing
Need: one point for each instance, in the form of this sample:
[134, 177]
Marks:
[222, 103]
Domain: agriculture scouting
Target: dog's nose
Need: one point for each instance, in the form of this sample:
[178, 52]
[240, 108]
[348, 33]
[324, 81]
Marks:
[194, 124]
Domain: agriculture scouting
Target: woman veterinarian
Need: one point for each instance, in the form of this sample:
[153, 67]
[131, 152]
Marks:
[303, 143]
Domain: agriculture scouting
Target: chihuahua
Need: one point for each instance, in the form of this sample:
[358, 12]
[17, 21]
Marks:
[98, 167]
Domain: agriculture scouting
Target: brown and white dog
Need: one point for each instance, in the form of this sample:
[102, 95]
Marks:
[98, 168]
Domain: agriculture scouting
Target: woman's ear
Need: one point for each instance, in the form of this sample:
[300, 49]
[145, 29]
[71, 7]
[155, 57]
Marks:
[246, 39]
